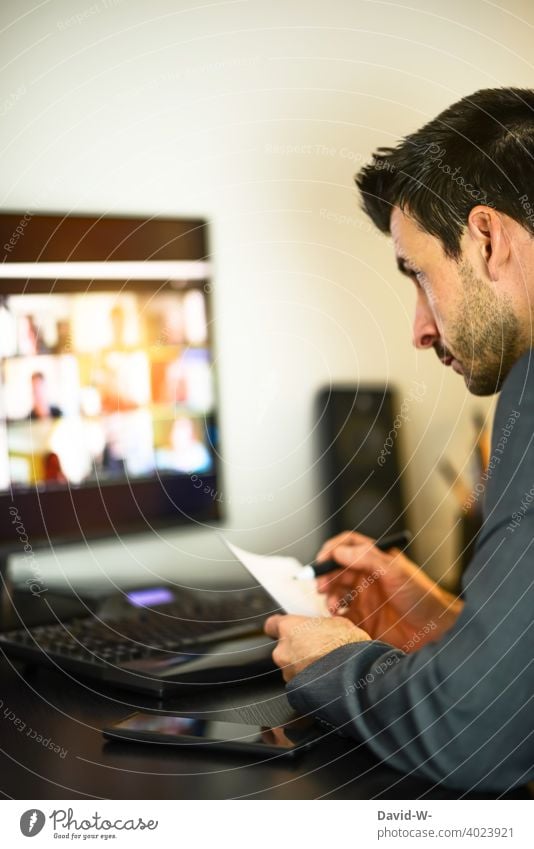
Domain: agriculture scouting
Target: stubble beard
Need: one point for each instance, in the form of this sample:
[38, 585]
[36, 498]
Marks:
[488, 338]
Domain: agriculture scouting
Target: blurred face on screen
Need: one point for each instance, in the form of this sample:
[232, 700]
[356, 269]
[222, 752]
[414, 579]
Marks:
[41, 406]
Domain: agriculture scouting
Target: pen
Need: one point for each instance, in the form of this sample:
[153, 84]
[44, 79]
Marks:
[314, 570]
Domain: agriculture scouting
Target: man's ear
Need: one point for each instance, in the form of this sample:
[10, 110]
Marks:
[487, 230]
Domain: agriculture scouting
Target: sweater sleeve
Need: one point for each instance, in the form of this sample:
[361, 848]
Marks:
[460, 710]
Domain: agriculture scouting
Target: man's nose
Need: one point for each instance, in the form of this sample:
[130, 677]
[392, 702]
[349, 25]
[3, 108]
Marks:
[425, 329]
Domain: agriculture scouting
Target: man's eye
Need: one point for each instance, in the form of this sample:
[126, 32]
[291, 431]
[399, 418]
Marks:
[422, 281]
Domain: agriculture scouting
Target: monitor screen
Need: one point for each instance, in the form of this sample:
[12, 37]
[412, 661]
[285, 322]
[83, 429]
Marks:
[107, 406]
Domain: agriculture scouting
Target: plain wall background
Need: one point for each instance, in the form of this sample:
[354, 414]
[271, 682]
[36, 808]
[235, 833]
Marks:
[256, 115]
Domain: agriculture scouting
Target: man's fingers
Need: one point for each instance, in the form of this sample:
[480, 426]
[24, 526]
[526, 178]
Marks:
[339, 604]
[359, 558]
[355, 555]
[327, 582]
[348, 538]
[334, 604]
[331, 543]
[272, 626]
[363, 557]
[337, 581]
[278, 656]
[281, 624]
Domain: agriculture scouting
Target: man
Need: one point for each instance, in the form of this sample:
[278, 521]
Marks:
[41, 406]
[434, 685]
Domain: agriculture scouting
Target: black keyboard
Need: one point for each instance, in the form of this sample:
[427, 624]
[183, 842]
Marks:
[144, 647]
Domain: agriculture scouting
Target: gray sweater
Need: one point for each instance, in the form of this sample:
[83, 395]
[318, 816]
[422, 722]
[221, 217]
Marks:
[461, 709]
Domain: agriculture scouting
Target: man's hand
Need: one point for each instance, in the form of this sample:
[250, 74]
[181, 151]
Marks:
[385, 593]
[303, 640]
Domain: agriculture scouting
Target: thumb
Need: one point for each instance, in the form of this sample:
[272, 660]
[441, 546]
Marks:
[272, 626]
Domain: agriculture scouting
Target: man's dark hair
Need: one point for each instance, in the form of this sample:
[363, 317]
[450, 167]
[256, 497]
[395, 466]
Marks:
[478, 151]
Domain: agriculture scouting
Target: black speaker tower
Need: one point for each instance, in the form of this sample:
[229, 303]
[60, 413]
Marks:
[358, 434]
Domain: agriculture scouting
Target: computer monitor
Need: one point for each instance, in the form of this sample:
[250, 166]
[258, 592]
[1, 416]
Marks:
[107, 402]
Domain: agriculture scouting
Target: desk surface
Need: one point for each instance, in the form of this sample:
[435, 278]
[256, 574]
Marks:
[70, 715]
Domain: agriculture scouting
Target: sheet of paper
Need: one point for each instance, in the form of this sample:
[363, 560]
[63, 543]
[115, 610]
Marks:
[276, 575]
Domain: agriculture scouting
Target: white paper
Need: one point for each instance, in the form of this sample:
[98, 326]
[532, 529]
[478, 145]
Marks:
[276, 575]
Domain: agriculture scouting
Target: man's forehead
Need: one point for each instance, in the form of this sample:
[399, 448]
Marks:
[402, 226]
[410, 241]
[400, 234]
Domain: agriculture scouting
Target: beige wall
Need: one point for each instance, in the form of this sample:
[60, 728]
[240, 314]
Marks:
[256, 115]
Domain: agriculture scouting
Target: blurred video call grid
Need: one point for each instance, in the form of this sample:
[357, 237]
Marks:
[104, 385]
